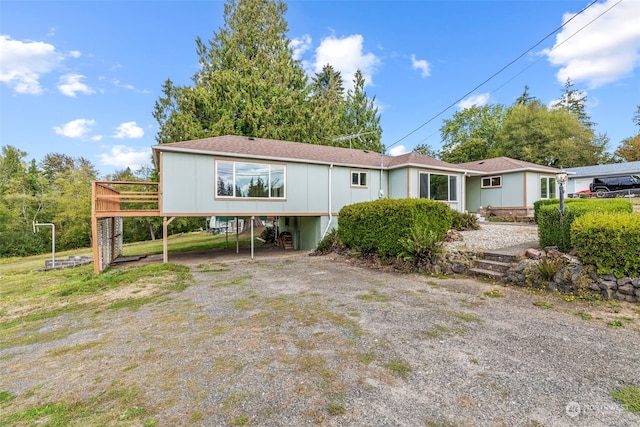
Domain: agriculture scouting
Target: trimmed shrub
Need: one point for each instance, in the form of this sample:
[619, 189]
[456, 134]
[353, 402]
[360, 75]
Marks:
[377, 227]
[552, 233]
[608, 241]
[537, 205]
[463, 221]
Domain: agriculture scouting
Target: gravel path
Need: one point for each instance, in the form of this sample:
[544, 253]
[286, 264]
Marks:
[493, 236]
[298, 340]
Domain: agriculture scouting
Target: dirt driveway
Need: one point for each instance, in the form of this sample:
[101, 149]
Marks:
[295, 340]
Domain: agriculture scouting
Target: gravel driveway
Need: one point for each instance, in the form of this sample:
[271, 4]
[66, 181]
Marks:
[298, 340]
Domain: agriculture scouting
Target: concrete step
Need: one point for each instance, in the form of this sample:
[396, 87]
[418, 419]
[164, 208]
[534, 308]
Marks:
[487, 274]
[497, 266]
[499, 257]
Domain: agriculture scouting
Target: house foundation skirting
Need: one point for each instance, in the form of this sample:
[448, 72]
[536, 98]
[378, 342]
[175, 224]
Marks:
[506, 212]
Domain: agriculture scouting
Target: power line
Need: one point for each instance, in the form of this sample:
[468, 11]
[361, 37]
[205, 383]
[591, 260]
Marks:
[536, 61]
[494, 74]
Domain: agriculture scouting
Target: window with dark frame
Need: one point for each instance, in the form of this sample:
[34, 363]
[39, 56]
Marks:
[491, 181]
[358, 179]
[438, 187]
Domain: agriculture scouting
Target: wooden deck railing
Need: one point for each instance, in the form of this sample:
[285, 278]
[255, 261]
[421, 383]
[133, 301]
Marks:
[125, 199]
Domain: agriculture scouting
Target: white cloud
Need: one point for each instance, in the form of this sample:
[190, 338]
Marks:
[129, 130]
[122, 156]
[118, 83]
[79, 129]
[71, 85]
[300, 46]
[477, 100]
[22, 63]
[605, 50]
[75, 54]
[346, 55]
[421, 65]
[398, 150]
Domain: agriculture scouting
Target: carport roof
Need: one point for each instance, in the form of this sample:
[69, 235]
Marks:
[611, 169]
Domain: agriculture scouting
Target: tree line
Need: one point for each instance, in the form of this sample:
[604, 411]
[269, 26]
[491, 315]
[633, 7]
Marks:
[561, 135]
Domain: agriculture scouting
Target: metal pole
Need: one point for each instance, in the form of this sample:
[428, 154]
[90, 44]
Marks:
[53, 239]
[562, 213]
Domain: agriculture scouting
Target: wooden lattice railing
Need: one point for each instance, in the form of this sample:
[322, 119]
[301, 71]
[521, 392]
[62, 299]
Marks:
[125, 199]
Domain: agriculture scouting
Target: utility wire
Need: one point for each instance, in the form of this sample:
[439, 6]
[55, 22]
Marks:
[493, 75]
[529, 66]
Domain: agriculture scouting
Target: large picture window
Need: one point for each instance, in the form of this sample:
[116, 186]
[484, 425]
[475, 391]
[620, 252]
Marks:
[250, 180]
[547, 188]
[438, 187]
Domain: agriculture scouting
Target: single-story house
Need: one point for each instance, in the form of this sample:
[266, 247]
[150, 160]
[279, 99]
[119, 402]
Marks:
[581, 177]
[303, 186]
[507, 187]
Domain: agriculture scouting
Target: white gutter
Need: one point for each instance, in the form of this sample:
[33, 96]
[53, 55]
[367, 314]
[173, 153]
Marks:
[326, 230]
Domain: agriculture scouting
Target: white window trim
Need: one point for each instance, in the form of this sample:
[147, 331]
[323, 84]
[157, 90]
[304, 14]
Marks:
[234, 197]
[490, 178]
[449, 200]
[360, 173]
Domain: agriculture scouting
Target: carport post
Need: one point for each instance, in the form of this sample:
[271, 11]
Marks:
[237, 238]
[252, 218]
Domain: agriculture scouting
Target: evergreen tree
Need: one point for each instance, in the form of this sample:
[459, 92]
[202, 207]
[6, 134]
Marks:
[327, 104]
[362, 120]
[525, 98]
[426, 150]
[574, 101]
[248, 82]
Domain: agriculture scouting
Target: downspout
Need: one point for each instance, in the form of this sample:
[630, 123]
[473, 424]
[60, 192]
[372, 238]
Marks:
[381, 191]
[326, 230]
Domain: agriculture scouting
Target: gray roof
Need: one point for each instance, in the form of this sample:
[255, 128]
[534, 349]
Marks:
[272, 149]
[611, 169]
[504, 165]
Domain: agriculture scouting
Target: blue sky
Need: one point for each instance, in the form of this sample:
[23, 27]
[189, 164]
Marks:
[81, 77]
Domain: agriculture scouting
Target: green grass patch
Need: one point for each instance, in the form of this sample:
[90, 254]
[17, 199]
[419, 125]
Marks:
[73, 349]
[111, 408]
[629, 396]
[5, 396]
[543, 304]
[399, 367]
[373, 296]
[495, 293]
[77, 291]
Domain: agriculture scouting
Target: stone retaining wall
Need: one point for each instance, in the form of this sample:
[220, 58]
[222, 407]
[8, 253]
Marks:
[72, 261]
[564, 273]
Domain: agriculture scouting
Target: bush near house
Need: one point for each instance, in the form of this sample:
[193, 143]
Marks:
[608, 241]
[380, 226]
[554, 232]
[537, 205]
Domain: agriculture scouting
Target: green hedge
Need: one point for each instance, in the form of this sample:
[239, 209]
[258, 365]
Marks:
[608, 241]
[550, 231]
[378, 226]
[546, 202]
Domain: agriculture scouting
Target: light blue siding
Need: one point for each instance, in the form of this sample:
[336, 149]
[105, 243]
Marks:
[189, 186]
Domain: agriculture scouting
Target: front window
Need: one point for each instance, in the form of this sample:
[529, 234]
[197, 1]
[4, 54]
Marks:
[491, 181]
[250, 180]
[438, 187]
[358, 179]
[547, 188]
